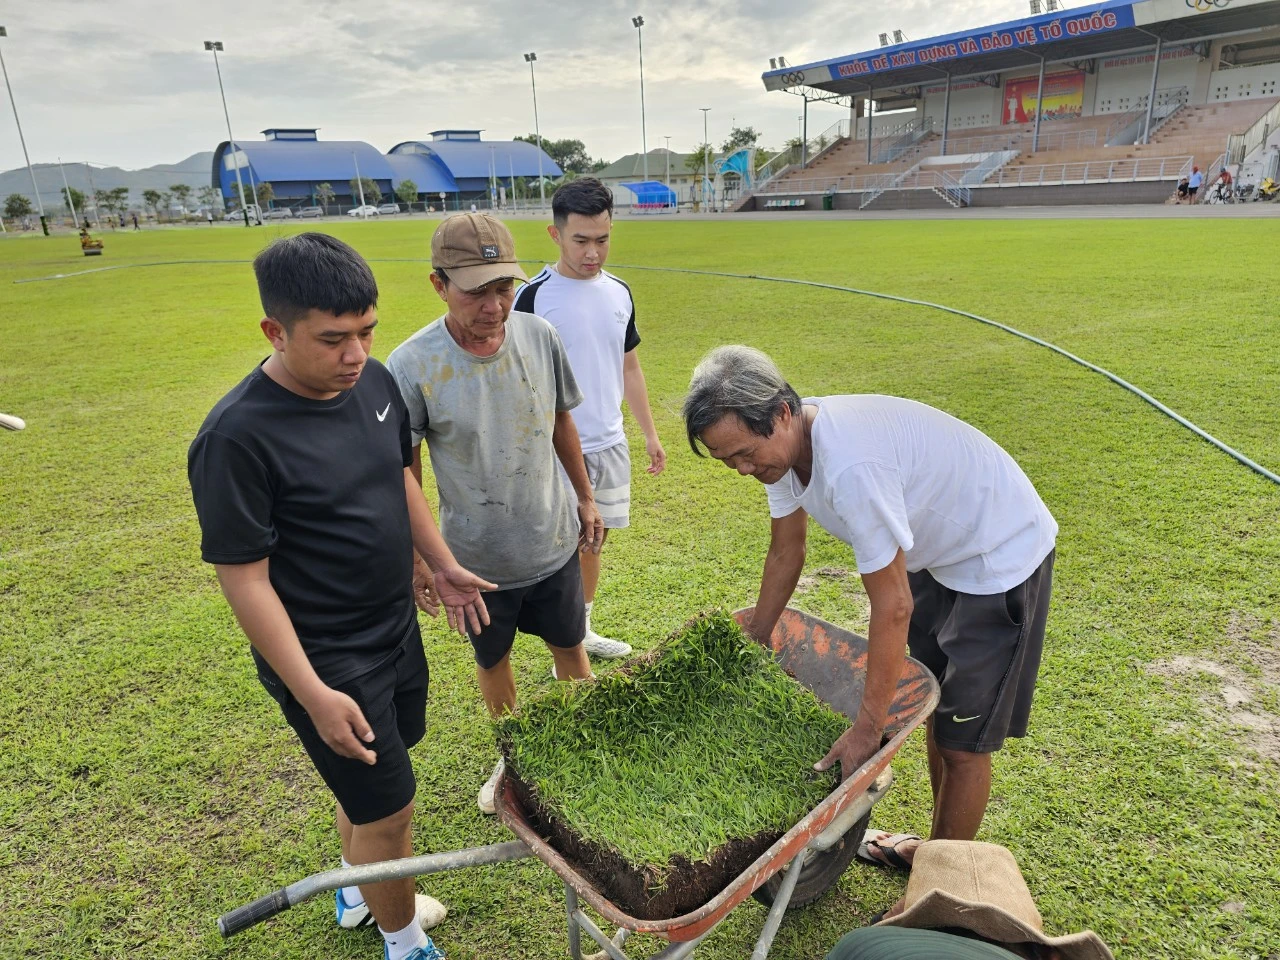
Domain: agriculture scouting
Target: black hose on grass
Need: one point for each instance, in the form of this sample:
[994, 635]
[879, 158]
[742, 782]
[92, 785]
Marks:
[1119, 381]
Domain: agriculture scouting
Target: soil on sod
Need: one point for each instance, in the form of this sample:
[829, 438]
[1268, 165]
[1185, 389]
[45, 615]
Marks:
[665, 780]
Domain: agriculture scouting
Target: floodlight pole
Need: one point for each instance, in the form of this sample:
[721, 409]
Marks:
[213, 46]
[706, 154]
[1035, 135]
[804, 134]
[668, 139]
[638, 23]
[44, 223]
[359, 184]
[529, 58]
[93, 195]
[67, 187]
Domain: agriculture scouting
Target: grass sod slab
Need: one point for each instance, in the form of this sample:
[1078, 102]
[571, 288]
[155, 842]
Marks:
[147, 783]
[664, 780]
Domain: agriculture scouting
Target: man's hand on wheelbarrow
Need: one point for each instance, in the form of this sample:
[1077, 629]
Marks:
[855, 747]
[341, 724]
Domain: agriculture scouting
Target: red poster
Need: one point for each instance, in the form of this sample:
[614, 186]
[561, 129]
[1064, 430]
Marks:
[1063, 97]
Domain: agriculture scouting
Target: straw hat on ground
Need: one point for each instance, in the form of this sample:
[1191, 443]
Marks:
[978, 887]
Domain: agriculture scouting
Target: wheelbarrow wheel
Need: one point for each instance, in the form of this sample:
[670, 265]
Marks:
[820, 873]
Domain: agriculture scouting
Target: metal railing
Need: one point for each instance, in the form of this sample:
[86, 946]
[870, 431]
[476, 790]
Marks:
[1126, 129]
[894, 147]
[1067, 141]
[1210, 178]
[878, 184]
[1240, 145]
[987, 166]
[952, 190]
[1095, 171]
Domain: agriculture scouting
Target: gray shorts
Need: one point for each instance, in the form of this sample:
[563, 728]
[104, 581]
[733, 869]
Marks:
[609, 471]
[985, 652]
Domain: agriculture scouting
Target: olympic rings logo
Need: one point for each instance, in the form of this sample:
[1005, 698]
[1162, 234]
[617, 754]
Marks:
[1204, 6]
[791, 79]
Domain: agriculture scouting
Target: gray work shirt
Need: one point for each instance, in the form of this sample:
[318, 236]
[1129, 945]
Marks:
[488, 423]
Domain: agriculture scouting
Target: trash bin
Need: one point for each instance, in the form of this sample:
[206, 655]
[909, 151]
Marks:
[828, 202]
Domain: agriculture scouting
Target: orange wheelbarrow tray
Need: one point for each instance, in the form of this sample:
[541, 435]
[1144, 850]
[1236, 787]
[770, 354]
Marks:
[806, 861]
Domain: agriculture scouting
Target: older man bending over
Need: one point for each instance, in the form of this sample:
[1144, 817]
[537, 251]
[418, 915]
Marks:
[954, 546]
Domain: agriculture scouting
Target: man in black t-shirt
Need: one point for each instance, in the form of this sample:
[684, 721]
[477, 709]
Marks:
[311, 518]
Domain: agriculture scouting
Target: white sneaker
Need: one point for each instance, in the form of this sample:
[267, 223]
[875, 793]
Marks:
[603, 647]
[431, 912]
[485, 800]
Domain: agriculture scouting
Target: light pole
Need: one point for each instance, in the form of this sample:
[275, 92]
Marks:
[668, 139]
[638, 23]
[213, 46]
[529, 58]
[67, 187]
[44, 224]
[706, 153]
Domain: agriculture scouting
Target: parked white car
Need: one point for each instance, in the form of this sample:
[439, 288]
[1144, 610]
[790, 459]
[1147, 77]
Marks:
[389, 208]
[368, 210]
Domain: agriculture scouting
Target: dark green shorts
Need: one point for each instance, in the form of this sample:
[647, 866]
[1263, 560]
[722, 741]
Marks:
[907, 943]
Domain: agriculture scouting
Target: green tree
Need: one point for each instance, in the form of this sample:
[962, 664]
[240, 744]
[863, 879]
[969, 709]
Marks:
[371, 192]
[569, 155]
[266, 193]
[75, 204]
[16, 205]
[119, 199]
[407, 191]
[182, 193]
[598, 165]
[324, 194]
[740, 137]
[166, 204]
[205, 196]
[151, 198]
[102, 200]
[703, 157]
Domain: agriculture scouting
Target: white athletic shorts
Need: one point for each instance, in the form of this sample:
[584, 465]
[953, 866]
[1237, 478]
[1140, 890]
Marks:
[609, 471]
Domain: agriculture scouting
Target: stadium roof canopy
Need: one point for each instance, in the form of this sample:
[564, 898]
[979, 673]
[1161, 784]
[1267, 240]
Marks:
[1074, 35]
[478, 159]
[306, 160]
[428, 174]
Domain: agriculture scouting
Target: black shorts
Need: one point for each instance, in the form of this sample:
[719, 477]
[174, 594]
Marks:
[393, 698]
[1192, 190]
[985, 652]
[552, 609]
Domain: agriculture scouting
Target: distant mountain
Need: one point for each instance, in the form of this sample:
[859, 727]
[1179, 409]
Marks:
[195, 171]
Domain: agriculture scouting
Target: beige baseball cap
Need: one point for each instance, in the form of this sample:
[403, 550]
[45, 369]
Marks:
[475, 249]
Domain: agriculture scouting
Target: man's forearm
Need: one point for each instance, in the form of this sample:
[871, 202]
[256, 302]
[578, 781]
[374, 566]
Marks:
[782, 568]
[564, 437]
[636, 392]
[265, 622]
[427, 540]
[886, 655]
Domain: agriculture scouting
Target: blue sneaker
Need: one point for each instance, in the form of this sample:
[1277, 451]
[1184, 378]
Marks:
[429, 952]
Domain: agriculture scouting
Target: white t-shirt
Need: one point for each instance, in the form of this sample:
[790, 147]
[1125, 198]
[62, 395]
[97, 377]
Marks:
[596, 320]
[890, 474]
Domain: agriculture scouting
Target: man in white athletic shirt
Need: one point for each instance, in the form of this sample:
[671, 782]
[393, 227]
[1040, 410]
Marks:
[594, 314]
[954, 546]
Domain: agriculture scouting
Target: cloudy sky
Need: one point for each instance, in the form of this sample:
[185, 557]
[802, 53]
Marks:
[127, 82]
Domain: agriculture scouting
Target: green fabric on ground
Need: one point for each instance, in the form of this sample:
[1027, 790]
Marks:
[907, 943]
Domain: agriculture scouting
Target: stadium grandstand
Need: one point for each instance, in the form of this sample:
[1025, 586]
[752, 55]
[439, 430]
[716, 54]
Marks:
[1109, 103]
[452, 167]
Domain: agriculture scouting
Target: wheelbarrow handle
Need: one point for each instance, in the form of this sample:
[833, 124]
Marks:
[242, 918]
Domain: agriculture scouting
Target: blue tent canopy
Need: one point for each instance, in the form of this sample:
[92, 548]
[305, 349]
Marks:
[652, 193]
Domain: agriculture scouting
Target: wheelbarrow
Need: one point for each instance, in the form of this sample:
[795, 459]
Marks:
[797, 869]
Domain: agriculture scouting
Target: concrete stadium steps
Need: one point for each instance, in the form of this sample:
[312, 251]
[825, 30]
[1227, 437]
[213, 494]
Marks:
[1202, 131]
[923, 199]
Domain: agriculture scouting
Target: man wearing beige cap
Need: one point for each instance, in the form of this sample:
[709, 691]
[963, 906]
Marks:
[489, 390]
[966, 901]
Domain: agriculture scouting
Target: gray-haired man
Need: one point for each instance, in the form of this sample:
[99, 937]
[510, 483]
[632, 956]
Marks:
[954, 546]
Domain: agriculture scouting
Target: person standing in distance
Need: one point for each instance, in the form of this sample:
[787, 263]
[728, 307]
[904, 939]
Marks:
[595, 315]
[489, 389]
[310, 515]
[954, 546]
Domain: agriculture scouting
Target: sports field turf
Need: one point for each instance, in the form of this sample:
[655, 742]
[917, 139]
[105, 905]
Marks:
[147, 783]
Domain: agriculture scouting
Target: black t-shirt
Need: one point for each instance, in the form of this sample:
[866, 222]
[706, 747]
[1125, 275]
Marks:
[317, 486]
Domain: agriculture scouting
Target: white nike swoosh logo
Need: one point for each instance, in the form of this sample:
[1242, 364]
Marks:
[383, 415]
[966, 719]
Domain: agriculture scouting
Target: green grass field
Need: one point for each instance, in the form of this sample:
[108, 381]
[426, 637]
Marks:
[148, 784]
